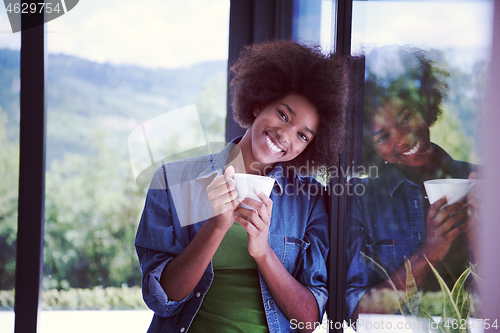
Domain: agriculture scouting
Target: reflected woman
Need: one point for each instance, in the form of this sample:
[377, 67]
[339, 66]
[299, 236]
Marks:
[393, 219]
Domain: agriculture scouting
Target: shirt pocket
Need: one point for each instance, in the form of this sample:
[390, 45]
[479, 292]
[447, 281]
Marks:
[294, 249]
[383, 252]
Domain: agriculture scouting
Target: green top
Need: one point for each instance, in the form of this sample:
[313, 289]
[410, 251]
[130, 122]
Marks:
[234, 301]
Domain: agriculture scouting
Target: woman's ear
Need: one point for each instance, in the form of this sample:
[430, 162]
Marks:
[256, 111]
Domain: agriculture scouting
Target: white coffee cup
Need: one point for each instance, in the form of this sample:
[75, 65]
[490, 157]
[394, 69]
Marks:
[246, 185]
[454, 189]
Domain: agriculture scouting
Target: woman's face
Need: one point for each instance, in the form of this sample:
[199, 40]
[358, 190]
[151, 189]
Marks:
[400, 135]
[283, 129]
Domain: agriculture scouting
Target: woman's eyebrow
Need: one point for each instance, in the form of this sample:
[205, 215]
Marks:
[403, 109]
[378, 132]
[294, 114]
[289, 109]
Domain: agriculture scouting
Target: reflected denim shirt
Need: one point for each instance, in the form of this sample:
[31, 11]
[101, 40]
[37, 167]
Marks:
[298, 234]
[387, 224]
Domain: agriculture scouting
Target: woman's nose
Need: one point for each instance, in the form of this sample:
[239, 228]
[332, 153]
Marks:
[284, 134]
[401, 137]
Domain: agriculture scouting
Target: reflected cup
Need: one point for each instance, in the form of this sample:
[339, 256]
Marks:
[454, 189]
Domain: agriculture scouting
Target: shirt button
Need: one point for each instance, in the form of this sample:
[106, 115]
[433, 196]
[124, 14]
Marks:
[182, 329]
[198, 294]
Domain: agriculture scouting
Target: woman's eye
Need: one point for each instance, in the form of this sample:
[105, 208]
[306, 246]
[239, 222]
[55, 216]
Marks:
[282, 115]
[406, 119]
[381, 139]
[303, 137]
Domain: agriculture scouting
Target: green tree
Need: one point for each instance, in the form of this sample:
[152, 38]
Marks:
[448, 133]
[211, 107]
[9, 173]
[92, 210]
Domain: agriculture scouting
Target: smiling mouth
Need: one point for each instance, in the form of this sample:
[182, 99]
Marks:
[416, 150]
[272, 146]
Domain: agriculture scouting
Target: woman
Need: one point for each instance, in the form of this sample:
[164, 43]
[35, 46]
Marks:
[393, 220]
[260, 269]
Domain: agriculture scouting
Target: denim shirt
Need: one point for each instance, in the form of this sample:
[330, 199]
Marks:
[298, 234]
[387, 224]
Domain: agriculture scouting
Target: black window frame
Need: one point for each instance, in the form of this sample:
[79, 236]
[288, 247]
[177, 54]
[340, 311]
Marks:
[251, 21]
[31, 199]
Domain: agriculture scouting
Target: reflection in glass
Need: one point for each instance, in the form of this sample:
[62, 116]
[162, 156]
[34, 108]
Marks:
[392, 221]
[422, 116]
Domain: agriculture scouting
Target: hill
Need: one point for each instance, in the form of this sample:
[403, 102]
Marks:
[85, 98]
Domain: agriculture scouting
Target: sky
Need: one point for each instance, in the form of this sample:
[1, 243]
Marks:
[462, 27]
[167, 33]
[178, 33]
[438, 24]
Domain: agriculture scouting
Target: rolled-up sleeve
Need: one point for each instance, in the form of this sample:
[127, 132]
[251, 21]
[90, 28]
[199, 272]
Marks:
[156, 244]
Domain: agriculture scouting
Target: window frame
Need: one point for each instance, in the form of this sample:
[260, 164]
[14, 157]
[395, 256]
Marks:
[274, 21]
[29, 252]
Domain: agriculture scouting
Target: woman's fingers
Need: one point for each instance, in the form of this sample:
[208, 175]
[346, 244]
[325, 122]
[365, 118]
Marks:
[258, 243]
[222, 194]
[268, 203]
[260, 208]
[435, 208]
[225, 191]
[439, 213]
[473, 175]
[252, 216]
[220, 182]
[451, 234]
[219, 207]
[223, 182]
[257, 217]
[447, 220]
[443, 226]
[249, 226]
[263, 207]
[454, 209]
[229, 172]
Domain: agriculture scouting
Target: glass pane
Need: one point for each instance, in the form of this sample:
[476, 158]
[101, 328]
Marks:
[425, 70]
[9, 166]
[116, 69]
[313, 23]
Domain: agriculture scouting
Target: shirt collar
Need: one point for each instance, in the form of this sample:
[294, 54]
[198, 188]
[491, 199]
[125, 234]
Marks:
[277, 174]
[219, 161]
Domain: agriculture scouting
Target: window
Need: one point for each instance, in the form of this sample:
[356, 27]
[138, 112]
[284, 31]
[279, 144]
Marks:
[67, 78]
[9, 166]
[111, 68]
[425, 77]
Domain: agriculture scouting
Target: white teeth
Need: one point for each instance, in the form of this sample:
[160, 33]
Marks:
[272, 145]
[413, 150]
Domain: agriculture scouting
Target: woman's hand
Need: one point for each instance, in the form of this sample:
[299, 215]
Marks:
[223, 198]
[295, 300]
[470, 229]
[441, 228]
[256, 222]
[183, 273]
[472, 209]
